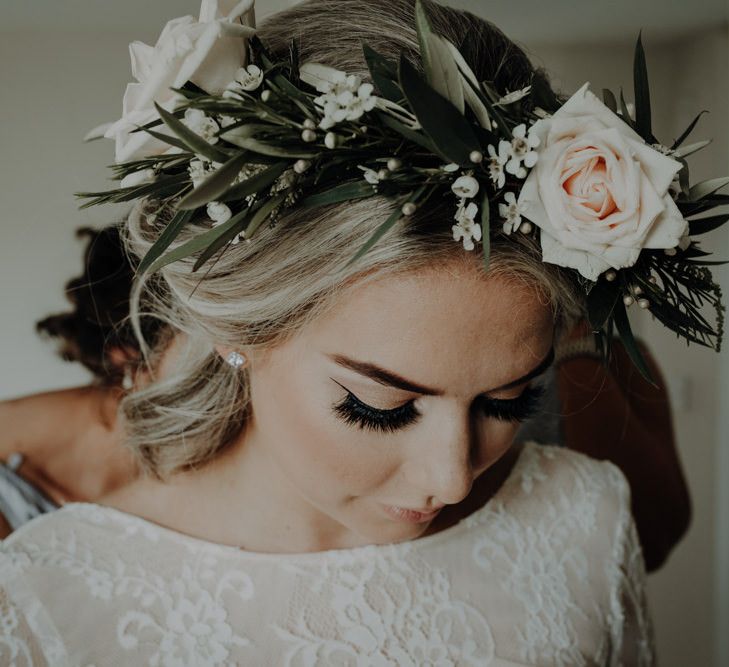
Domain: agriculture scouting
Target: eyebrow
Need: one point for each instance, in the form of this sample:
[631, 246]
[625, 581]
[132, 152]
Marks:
[390, 379]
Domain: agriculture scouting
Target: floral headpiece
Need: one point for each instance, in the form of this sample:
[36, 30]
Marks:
[217, 133]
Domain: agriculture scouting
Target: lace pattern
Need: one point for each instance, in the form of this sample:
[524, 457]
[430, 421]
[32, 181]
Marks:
[548, 572]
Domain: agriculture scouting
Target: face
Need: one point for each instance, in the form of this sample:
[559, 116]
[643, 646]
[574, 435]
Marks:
[401, 397]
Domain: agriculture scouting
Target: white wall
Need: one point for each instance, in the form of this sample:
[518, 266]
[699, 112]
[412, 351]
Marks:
[56, 86]
[686, 75]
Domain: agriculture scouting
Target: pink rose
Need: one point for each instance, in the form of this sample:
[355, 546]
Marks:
[207, 52]
[598, 192]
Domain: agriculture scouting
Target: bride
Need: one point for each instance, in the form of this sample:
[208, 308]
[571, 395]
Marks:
[331, 474]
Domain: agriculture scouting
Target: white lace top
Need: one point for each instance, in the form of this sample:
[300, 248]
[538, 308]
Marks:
[548, 572]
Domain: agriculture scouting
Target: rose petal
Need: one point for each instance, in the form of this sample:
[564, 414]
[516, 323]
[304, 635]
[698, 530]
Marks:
[554, 252]
[668, 228]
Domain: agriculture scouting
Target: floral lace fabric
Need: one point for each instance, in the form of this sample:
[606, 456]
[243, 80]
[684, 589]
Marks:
[548, 572]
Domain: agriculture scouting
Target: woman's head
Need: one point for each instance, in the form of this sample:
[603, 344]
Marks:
[267, 297]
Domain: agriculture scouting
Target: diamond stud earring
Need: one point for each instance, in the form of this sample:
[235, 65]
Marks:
[236, 360]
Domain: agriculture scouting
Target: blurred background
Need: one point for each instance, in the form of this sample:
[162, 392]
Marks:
[63, 68]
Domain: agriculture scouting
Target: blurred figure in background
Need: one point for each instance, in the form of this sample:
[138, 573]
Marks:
[62, 446]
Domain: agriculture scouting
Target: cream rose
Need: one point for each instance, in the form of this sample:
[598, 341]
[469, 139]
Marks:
[598, 192]
[207, 52]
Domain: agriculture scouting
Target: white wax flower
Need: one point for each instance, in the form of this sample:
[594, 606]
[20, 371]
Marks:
[521, 149]
[218, 212]
[465, 187]
[202, 125]
[496, 163]
[511, 212]
[598, 192]
[466, 229]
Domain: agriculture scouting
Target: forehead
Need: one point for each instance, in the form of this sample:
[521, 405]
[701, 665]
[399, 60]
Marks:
[442, 326]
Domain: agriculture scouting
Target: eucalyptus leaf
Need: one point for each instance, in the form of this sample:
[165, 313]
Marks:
[470, 86]
[242, 139]
[408, 133]
[379, 233]
[215, 184]
[485, 231]
[705, 188]
[443, 123]
[193, 141]
[262, 213]
[620, 317]
[234, 227]
[688, 130]
[168, 235]
[708, 224]
[642, 92]
[384, 74]
[609, 100]
[691, 148]
[255, 183]
[196, 244]
[339, 193]
[601, 301]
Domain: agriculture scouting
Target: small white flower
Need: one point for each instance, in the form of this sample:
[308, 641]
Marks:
[370, 175]
[465, 187]
[521, 150]
[247, 79]
[218, 212]
[344, 98]
[202, 125]
[466, 229]
[198, 172]
[497, 162]
[663, 149]
[137, 178]
[512, 212]
[514, 96]
[227, 121]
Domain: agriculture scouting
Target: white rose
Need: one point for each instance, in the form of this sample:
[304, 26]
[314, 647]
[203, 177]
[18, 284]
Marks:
[207, 52]
[598, 192]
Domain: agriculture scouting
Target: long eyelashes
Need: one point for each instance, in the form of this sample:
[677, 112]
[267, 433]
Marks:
[355, 412]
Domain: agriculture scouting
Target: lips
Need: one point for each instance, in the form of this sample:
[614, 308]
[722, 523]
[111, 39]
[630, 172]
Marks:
[410, 515]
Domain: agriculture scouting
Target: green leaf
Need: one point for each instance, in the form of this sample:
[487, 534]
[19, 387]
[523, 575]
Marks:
[624, 109]
[705, 188]
[407, 132]
[196, 244]
[255, 183]
[642, 92]
[384, 74]
[609, 100]
[703, 225]
[691, 149]
[688, 130]
[215, 184]
[620, 316]
[262, 213]
[470, 87]
[226, 237]
[170, 233]
[485, 231]
[339, 193]
[379, 232]
[422, 28]
[442, 122]
[242, 137]
[194, 142]
[601, 301]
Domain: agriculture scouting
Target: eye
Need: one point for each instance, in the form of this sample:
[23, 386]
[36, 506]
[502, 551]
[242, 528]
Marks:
[355, 412]
[515, 409]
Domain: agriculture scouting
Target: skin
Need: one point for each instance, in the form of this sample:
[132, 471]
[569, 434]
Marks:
[300, 479]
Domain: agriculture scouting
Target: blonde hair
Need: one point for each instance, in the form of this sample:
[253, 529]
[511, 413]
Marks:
[258, 295]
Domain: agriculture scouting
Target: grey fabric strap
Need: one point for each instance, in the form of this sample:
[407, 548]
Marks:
[20, 501]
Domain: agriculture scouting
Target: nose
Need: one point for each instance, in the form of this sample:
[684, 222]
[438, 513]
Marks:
[443, 467]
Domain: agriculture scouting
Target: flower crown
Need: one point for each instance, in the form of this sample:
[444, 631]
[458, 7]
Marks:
[217, 132]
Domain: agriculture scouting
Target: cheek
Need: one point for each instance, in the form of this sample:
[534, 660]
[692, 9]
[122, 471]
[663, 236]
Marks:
[496, 438]
[320, 455]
